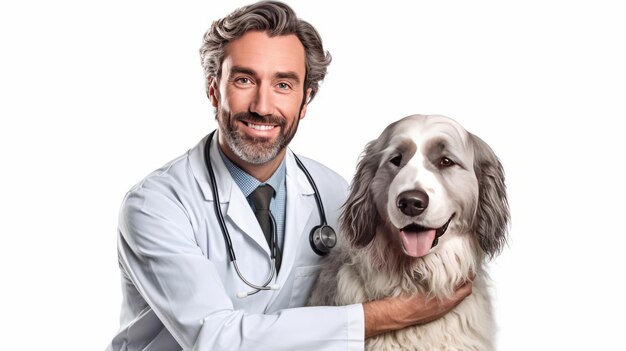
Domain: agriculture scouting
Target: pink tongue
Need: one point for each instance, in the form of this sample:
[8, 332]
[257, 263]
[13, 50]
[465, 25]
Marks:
[417, 244]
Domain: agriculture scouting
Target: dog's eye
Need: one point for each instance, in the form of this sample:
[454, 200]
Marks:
[446, 162]
[396, 160]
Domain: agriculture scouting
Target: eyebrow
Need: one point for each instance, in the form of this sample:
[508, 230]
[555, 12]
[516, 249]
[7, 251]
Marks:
[407, 145]
[242, 70]
[436, 147]
[288, 75]
[278, 75]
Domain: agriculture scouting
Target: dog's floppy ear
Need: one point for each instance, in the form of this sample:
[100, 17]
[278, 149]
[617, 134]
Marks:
[492, 216]
[359, 215]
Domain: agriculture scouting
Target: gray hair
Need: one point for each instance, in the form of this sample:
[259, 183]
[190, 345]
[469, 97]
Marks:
[274, 18]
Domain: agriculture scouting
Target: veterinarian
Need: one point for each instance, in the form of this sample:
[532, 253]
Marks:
[206, 263]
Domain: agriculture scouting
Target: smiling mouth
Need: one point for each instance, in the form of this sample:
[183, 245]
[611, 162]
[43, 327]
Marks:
[418, 240]
[261, 127]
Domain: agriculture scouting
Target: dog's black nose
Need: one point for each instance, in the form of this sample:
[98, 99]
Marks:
[413, 202]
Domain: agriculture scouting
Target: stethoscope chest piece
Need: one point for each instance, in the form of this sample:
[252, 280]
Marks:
[323, 238]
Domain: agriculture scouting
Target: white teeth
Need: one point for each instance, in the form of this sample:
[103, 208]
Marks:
[259, 127]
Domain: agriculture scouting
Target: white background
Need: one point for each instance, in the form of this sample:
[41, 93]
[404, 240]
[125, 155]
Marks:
[96, 94]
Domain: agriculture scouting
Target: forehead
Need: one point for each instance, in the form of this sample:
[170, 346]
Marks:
[266, 55]
[424, 130]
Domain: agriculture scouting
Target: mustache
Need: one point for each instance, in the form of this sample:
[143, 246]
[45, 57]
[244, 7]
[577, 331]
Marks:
[257, 118]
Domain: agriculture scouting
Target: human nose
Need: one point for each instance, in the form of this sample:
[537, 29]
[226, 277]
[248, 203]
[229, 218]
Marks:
[262, 103]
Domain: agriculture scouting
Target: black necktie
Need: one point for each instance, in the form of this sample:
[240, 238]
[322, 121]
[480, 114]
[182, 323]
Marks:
[261, 198]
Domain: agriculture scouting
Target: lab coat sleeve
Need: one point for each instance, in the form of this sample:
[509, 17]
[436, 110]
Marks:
[159, 253]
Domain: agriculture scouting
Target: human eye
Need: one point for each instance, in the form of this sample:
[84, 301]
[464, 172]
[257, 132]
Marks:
[283, 86]
[242, 80]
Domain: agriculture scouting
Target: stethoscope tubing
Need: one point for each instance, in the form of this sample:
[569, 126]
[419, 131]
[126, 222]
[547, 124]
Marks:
[318, 202]
[216, 202]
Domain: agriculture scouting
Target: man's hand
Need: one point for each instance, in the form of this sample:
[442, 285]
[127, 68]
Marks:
[396, 313]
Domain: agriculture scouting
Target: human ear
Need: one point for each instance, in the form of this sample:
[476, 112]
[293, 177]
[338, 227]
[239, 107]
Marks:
[213, 91]
[305, 103]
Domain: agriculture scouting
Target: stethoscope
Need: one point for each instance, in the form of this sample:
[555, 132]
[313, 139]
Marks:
[322, 237]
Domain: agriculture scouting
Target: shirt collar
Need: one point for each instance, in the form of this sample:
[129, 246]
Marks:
[248, 183]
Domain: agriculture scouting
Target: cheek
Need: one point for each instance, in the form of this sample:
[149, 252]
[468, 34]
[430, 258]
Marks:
[381, 192]
[236, 100]
[289, 105]
[462, 188]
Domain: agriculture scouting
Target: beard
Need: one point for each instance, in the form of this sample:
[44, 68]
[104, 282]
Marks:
[255, 150]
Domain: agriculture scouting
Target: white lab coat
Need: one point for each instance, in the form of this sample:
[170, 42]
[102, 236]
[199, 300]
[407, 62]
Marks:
[179, 287]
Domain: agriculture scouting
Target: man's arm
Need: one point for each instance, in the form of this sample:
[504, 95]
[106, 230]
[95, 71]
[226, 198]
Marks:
[399, 312]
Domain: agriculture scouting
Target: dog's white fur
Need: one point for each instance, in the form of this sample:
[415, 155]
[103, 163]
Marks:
[372, 263]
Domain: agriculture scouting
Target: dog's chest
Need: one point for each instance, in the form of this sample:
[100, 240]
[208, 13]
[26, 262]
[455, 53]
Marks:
[469, 327]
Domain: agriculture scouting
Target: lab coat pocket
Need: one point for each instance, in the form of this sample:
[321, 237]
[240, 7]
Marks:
[305, 277]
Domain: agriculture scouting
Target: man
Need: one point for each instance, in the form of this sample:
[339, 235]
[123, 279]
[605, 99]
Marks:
[180, 288]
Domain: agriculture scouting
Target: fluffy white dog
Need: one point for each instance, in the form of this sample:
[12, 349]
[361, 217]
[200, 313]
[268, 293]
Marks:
[427, 208]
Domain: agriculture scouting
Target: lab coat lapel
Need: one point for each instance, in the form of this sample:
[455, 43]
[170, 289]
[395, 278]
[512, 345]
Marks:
[242, 216]
[199, 169]
[300, 207]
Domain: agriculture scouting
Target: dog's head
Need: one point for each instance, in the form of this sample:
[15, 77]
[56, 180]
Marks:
[424, 176]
